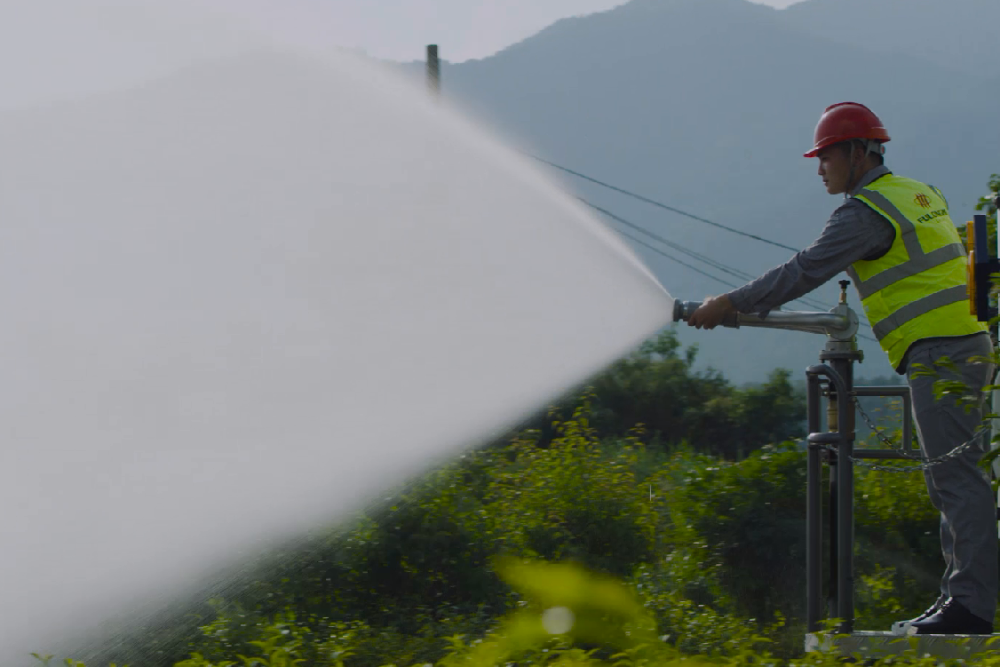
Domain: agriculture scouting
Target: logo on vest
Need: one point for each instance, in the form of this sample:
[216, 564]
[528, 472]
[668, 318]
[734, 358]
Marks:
[923, 200]
[933, 214]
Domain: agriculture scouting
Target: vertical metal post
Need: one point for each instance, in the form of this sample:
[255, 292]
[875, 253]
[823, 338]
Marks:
[833, 508]
[841, 356]
[840, 435]
[433, 69]
[814, 522]
[832, 511]
[845, 497]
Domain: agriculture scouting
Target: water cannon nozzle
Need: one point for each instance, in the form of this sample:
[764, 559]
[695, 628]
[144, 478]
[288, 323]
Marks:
[684, 309]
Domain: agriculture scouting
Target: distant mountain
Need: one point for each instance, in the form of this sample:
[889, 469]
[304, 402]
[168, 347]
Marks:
[708, 106]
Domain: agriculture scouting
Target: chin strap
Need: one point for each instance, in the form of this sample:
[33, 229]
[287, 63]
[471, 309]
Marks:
[872, 147]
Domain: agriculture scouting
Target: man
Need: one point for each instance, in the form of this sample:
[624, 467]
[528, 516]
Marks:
[895, 239]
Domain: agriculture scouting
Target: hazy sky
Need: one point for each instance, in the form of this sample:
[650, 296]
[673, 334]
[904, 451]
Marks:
[401, 29]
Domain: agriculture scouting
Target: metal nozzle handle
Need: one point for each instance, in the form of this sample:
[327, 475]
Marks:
[684, 309]
[840, 325]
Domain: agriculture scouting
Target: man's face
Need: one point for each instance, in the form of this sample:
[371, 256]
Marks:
[834, 168]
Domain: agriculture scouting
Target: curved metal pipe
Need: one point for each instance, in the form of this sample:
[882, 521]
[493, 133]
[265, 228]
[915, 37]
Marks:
[841, 323]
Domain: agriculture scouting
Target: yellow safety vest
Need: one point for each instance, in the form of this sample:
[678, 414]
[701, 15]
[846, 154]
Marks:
[918, 288]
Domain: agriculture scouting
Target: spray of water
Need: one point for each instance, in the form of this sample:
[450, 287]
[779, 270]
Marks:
[245, 288]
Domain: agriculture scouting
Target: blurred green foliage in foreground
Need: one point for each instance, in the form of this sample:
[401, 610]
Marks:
[582, 539]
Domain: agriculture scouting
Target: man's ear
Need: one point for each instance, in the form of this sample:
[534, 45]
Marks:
[858, 155]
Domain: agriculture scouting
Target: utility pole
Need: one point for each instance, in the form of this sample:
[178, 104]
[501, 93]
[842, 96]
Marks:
[433, 70]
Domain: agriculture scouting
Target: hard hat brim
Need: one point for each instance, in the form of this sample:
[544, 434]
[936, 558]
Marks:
[882, 137]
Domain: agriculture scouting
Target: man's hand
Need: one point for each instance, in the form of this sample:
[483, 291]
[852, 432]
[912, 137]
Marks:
[711, 312]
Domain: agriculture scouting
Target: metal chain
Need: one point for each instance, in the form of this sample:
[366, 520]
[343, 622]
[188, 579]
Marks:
[878, 468]
[901, 450]
[925, 463]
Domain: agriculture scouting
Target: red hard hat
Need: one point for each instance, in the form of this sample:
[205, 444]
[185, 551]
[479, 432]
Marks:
[847, 120]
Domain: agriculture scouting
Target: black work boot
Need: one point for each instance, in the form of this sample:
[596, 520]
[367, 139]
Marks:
[951, 619]
[901, 627]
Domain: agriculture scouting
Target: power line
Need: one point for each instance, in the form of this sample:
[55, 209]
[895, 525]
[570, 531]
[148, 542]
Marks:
[736, 273]
[718, 265]
[681, 262]
[662, 205]
[704, 273]
[690, 253]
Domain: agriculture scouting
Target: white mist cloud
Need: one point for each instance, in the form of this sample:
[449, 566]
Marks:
[244, 290]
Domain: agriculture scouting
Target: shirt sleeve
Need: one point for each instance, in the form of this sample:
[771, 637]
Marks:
[852, 233]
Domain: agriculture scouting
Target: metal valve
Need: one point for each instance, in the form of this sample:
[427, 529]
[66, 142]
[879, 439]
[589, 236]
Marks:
[844, 284]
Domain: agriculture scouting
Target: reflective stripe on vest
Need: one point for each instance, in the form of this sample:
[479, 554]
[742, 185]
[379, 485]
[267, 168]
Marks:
[921, 263]
[918, 288]
[919, 307]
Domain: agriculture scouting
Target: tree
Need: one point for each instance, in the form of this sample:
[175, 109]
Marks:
[989, 203]
[769, 413]
[657, 387]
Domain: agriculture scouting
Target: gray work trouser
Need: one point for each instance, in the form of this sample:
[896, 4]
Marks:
[958, 488]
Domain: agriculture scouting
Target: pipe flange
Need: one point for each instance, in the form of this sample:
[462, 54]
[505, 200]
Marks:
[850, 331]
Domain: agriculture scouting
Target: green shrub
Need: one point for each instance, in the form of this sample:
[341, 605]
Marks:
[713, 548]
[749, 518]
[570, 501]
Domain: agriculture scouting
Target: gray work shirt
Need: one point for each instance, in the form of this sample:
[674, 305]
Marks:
[852, 233]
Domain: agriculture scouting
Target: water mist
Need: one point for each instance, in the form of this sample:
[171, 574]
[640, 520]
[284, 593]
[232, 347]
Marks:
[246, 287]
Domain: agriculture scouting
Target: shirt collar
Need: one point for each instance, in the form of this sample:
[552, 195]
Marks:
[867, 179]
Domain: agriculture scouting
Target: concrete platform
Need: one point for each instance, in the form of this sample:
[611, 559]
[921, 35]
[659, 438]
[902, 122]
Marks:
[881, 644]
